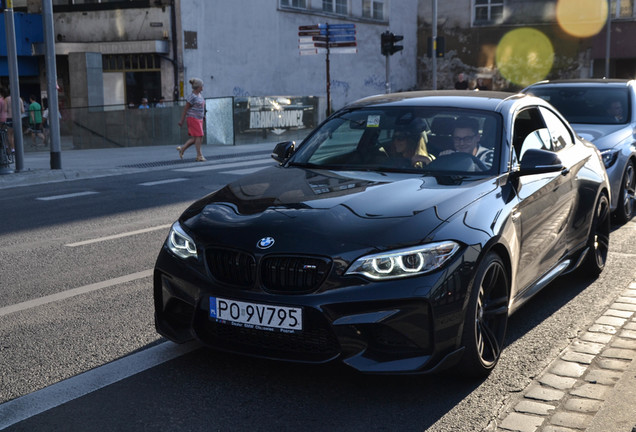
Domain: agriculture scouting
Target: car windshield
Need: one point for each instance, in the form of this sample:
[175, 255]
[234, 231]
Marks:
[588, 105]
[406, 139]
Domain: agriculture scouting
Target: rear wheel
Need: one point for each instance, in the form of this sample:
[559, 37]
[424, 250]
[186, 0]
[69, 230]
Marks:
[625, 207]
[598, 240]
[486, 318]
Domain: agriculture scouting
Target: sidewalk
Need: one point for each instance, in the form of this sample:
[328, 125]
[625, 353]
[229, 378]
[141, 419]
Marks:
[591, 386]
[77, 164]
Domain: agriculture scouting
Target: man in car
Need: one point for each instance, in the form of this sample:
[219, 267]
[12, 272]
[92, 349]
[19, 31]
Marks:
[615, 110]
[466, 139]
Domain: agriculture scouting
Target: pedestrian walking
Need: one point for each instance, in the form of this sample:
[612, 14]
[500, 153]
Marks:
[461, 83]
[3, 108]
[35, 120]
[144, 104]
[193, 113]
[9, 109]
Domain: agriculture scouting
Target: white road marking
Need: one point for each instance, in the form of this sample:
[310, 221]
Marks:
[243, 171]
[116, 236]
[71, 195]
[72, 293]
[30, 405]
[226, 165]
[160, 182]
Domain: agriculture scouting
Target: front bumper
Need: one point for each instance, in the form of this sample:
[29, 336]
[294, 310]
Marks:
[402, 326]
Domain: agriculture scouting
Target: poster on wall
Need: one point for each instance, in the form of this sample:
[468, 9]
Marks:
[274, 118]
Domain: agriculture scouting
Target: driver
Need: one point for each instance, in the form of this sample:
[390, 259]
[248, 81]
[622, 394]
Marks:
[466, 139]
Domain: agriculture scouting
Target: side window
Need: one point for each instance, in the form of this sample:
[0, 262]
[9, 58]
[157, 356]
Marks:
[559, 133]
[529, 131]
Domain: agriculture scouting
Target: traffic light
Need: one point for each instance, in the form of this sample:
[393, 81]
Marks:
[387, 43]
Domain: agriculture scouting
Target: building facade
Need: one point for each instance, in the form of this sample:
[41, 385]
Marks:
[562, 38]
[116, 51]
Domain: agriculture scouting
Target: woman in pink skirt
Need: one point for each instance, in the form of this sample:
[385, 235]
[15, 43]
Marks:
[193, 113]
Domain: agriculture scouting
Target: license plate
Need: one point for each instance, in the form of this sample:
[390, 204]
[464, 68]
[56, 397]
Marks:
[255, 315]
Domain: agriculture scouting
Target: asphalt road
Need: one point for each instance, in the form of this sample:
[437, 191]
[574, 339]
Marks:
[78, 350]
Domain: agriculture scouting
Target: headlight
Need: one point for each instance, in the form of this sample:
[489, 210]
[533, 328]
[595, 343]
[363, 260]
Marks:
[404, 262]
[180, 243]
[609, 157]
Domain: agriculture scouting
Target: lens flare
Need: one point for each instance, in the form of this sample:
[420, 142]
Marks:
[524, 56]
[581, 18]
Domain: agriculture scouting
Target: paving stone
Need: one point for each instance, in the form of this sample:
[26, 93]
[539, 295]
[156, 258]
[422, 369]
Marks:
[631, 292]
[611, 321]
[619, 313]
[630, 326]
[619, 353]
[603, 376]
[567, 369]
[553, 428]
[586, 347]
[592, 391]
[557, 382]
[596, 337]
[624, 306]
[631, 334]
[578, 357]
[628, 300]
[624, 343]
[580, 405]
[532, 407]
[613, 364]
[542, 393]
[602, 329]
[521, 422]
[571, 419]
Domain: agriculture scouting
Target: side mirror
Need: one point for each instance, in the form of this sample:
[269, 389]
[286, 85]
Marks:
[283, 151]
[538, 161]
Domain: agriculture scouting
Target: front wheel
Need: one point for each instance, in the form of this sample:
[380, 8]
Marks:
[598, 240]
[486, 318]
[625, 206]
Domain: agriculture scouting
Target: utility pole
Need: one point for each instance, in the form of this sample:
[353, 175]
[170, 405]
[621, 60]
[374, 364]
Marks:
[51, 82]
[14, 84]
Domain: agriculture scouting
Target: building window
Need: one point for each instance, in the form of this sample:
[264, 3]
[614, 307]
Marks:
[131, 62]
[488, 10]
[373, 9]
[622, 8]
[298, 4]
[336, 6]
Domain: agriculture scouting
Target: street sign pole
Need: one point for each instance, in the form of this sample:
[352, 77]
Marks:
[327, 39]
[328, 83]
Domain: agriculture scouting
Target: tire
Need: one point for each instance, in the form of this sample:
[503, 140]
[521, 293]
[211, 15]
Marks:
[598, 240]
[486, 318]
[625, 207]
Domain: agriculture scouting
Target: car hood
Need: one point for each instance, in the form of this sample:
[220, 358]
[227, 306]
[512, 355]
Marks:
[303, 204]
[604, 136]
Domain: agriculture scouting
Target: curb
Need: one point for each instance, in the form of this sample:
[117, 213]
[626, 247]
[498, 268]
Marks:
[584, 388]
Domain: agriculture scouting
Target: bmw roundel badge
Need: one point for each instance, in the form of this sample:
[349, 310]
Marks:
[265, 242]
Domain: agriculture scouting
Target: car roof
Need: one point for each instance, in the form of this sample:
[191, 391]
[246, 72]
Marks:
[471, 99]
[613, 82]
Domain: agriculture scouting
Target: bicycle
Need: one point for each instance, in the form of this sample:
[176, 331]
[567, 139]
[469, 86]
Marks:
[6, 155]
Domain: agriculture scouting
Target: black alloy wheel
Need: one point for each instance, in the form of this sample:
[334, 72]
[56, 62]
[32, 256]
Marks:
[625, 207]
[598, 240]
[486, 318]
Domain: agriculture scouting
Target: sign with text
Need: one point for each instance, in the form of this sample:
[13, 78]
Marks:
[327, 39]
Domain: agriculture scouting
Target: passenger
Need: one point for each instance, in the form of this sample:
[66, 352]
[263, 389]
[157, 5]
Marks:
[614, 109]
[466, 139]
[408, 149]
